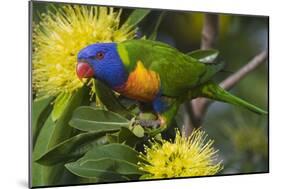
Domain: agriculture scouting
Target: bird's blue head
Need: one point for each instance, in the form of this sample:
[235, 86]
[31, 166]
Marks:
[102, 61]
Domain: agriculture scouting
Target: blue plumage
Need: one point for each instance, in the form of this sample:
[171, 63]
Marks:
[159, 105]
[106, 62]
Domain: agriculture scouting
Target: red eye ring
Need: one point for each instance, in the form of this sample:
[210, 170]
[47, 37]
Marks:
[100, 55]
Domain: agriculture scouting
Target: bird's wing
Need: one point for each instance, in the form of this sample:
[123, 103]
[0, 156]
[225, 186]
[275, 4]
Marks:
[177, 71]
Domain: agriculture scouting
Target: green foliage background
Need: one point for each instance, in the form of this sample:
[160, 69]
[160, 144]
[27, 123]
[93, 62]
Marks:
[240, 135]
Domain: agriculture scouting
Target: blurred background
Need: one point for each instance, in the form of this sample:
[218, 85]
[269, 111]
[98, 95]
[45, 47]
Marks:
[240, 135]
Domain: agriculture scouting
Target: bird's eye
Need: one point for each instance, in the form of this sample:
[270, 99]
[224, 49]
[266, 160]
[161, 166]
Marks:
[100, 55]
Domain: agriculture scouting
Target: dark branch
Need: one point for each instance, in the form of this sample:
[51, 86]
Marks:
[229, 82]
[200, 105]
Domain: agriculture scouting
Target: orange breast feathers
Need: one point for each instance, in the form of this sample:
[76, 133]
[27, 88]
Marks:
[142, 84]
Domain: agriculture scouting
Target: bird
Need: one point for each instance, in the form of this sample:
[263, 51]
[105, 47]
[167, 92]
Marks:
[154, 72]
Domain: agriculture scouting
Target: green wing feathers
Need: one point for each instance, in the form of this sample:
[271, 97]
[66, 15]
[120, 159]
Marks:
[178, 72]
[181, 76]
[215, 92]
[211, 70]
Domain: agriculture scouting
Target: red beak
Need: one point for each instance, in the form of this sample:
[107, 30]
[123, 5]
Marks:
[84, 70]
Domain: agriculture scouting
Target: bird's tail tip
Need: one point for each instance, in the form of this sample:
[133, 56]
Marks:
[215, 92]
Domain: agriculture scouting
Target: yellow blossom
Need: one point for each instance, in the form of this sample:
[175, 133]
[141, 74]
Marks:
[58, 38]
[185, 157]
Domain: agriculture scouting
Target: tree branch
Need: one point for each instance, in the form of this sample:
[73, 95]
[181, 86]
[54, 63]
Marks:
[209, 36]
[229, 82]
[209, 31]
[200, 105]
[197, 107]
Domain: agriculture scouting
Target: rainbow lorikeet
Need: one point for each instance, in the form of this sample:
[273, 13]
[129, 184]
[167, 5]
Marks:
[151, 71]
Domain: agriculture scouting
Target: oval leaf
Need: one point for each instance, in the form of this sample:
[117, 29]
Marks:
[153, 35]
[62, 129]
[205, 56]
[113, 151]
[107, 160]
[40, 147]
[60, 104]
[72, 148]
[138, 131]
[87, 118]
[137, 16]
[103, 168]
[40, 111]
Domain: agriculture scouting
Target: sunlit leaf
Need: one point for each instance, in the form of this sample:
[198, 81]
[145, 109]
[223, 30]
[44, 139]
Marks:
[60, 104]
[147, 116]
[138, 131]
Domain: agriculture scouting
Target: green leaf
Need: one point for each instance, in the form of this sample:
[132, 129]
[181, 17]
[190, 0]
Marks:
[154, 131]
[72, 148]
[62, 129]
[145, 176]
[103, 168]
[113, 151]
[205, 56]
[60, 104]
[107, 160]
[99, 170]
[147, 116]
[112, 137]
[125, 135]
[44, 175]
[108, 98]
[40, 112]
[40, 173]
[44, 136]
[153, 35]
[138, 131]
[137, 16]
[87, 118]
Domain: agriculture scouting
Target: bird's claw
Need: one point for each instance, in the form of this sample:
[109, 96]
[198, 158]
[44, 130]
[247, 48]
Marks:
[149, 123]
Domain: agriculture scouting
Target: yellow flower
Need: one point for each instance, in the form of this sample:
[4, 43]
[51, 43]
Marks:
[61, 34]
[185, 157]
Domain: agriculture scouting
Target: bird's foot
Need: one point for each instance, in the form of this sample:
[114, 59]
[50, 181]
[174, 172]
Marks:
[149, 123]
[152, 123]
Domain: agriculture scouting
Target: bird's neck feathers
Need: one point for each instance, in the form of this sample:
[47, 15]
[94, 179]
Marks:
[112, 71]
[114, 76]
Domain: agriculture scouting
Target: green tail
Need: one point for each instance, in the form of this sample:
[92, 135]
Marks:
[213, 91]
